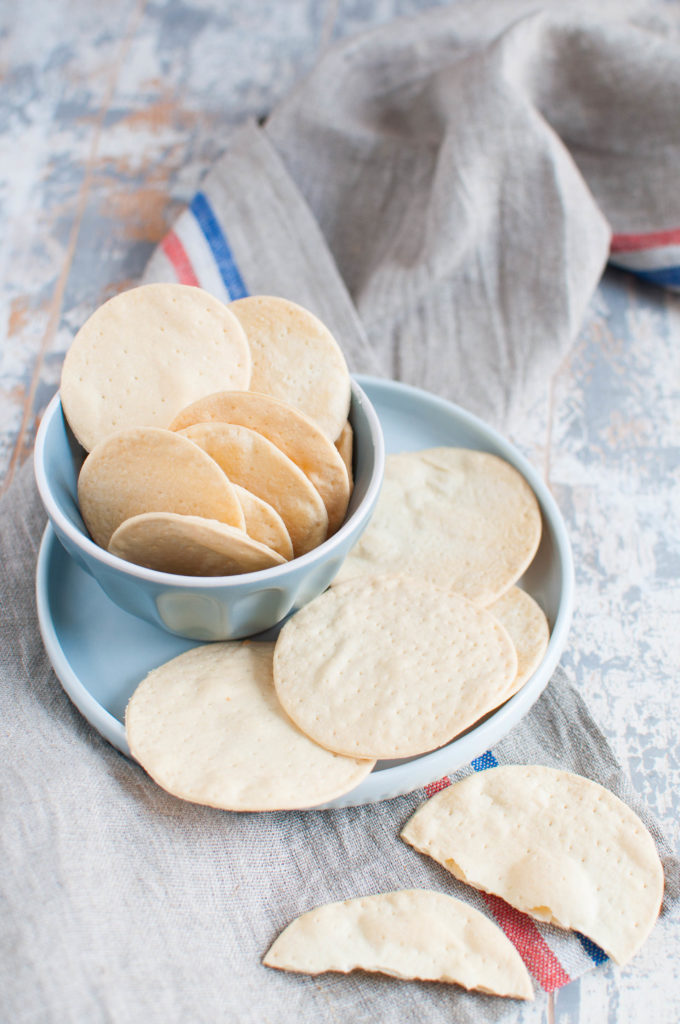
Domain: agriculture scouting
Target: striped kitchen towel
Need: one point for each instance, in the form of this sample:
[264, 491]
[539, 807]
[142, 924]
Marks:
[654, 256]
[460, 184]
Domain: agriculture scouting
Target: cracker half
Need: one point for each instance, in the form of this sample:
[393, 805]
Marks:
[411, 933]
[391, 666]
[253, 462]
[528, 629]
[296, 359]
[190, 546]
[147, 353]
[554, 845]
[459, 518]
[290, 430]
[208, 728]
[147, 469]
[263, 523]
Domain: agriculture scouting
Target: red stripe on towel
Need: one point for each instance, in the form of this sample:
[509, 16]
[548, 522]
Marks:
[651, 240]
[436, 787]
[181, 264]
[530, 944]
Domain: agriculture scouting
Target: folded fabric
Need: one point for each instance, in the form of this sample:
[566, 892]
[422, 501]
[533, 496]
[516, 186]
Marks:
[467, 175]
[458, 187]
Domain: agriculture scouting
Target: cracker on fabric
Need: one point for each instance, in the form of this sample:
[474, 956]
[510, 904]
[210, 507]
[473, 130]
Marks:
[296, 359]
[208, 728]
[147, 353]
[391, 666]
[410, 933]
[554, 845]
[148, 469]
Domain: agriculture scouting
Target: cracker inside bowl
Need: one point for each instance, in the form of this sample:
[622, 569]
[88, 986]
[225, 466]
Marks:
[205, 608]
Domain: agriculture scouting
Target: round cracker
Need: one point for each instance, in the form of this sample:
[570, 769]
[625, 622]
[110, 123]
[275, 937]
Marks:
[147, 469]
[296, 359]
[190, 546]
[460, 518]
[208, 728]
[255, 463]
[290, 430]
[528, 629]
[147, 353]
[263, 523]
[552, 844]
[345, 447]
[410, 933]
[391, 666]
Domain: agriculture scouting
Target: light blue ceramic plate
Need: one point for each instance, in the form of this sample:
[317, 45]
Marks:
[100, 653]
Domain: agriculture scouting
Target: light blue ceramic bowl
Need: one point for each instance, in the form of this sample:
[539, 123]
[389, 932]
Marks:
[206, 608]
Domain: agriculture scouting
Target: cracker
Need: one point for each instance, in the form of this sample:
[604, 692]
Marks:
[208, 728]
[296, 359]
[147, 353]
[255, 463]
[190, 546]
[290, 430]
[552, 844]
[345, 447]
[263, 523]
[411, 933]
[390, 666]
[528, 629]
[459, 518]
[147, 469]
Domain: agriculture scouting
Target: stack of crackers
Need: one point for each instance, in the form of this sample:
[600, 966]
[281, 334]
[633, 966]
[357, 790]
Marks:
[218, 436]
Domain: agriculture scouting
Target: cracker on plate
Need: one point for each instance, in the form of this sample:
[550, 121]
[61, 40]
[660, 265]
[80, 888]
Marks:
[459, 518]
[208, 728]
[391, 666]
[528, 629]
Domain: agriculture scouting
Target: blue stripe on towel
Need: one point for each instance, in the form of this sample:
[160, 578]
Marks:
[219, 246]
[486, 760]
[597, 955]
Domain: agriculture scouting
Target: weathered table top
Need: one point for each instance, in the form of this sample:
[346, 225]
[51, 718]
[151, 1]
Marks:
[112, 113]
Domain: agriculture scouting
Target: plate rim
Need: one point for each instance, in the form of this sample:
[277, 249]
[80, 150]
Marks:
[396, 780]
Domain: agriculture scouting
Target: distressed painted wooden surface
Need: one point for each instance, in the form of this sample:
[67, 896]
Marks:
[111, 113]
